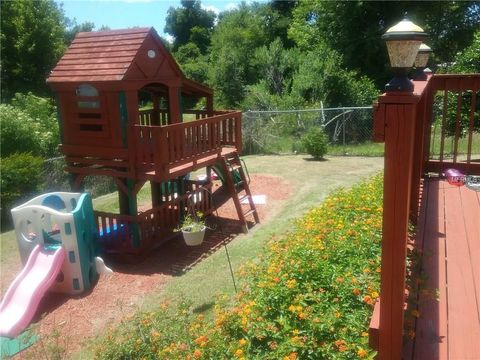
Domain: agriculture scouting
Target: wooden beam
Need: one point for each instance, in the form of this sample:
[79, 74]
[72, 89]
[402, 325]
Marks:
[174, 105]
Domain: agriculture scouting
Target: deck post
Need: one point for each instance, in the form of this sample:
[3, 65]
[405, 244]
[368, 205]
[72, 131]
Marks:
[399, 130]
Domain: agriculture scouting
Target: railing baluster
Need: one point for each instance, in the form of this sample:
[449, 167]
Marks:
[458, 119]
[444, 121]
[473, 106]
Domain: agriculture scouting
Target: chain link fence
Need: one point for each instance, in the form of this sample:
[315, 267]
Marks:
[281, 131]
[57, 179]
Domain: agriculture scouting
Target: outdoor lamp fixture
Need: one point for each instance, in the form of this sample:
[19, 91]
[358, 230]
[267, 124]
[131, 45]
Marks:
[421, 62]
[403, 41]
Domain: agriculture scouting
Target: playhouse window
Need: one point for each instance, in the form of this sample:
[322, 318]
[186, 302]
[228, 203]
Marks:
[86, 90]
[88, 104]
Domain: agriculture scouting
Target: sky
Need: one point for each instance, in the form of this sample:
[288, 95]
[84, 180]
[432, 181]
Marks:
[118, 14]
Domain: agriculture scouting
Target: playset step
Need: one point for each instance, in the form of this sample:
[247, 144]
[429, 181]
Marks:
[237, 181]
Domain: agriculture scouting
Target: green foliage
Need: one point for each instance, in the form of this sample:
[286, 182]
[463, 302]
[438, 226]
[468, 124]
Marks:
[237, 35]
[316, 142]
[193, 63]
[309, 296]
[29, 124]
[468, 60]
[338, 25]
[193, 223]
[17, 132]
[190, 23]
[21, 178]
[32, 41]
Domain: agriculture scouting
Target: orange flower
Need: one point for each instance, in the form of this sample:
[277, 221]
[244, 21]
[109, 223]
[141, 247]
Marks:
[197, 354]
[339, 343]
[362, 353]
[368, 300]
[356, 291]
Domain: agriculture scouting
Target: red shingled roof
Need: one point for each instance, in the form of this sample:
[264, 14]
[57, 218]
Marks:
[105, 55]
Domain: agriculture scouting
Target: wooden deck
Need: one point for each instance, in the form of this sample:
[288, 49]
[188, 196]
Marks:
[448, 326]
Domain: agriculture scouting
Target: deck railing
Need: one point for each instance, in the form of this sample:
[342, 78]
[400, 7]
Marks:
[161, 148]
[407, 123]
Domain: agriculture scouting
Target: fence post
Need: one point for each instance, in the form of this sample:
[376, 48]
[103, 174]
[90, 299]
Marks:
[397, 122]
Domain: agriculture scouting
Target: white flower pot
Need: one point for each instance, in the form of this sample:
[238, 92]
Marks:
[193, 238]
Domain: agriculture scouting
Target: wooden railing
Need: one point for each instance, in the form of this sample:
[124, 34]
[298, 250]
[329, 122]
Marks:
[455, 132]
[166, 147]
[149, 118]
[406, 122]
[128, 234]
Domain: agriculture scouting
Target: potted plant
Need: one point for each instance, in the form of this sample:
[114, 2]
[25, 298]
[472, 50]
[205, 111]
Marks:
[193, 229]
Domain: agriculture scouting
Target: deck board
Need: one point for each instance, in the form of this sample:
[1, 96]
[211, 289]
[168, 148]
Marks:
[463, 324]
[449, 305]
[431, 331]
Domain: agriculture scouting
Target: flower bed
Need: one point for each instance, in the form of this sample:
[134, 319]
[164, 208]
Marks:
[310, 296]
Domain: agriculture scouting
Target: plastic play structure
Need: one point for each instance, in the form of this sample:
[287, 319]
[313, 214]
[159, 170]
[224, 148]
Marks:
[57, 241]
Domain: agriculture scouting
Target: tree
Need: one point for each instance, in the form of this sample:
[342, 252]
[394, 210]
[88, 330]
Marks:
[190, 23]
[468, 60]
[192, 62]
[32, 41]
[72, 29]
[238, 34]
[354, 29]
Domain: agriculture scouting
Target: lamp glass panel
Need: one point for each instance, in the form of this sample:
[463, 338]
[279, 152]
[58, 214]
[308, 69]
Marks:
[422, 59]
[402, 53]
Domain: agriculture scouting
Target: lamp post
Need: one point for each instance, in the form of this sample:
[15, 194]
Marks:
[403, 41]
[421, 62]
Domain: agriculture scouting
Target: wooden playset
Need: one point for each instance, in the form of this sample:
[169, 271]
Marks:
[100, 84]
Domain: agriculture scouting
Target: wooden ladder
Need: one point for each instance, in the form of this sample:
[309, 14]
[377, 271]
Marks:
[239, 189]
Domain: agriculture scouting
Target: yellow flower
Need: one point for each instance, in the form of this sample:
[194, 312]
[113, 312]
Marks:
[243, 342]
[239, 353]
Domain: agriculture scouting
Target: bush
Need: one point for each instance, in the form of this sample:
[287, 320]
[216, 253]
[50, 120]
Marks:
[18, 132]
[30, 125]
[315, 142]
[21, 178]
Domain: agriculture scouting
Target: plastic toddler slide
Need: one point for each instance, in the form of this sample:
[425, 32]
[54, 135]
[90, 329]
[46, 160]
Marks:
[23, 296]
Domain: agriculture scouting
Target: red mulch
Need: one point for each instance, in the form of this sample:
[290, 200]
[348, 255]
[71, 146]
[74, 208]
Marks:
[82, 317]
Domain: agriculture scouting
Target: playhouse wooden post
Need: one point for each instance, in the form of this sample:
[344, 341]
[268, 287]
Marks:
[174, 105]
[156, 111]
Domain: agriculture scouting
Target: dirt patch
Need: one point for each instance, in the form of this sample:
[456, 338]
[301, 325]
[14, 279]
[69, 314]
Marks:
[80, 318]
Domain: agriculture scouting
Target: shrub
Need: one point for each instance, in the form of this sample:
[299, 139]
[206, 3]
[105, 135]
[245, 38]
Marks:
[30, 125]
[18, 132]
[315, 142]
[21, 178]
